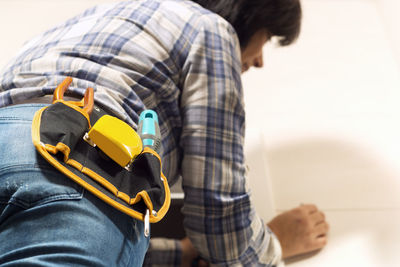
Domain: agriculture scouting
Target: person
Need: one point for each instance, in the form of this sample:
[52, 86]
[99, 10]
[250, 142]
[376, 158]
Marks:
[182, 59]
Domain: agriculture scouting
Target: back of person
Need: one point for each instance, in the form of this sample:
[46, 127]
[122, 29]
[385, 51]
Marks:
[145, 54]
[135, 54]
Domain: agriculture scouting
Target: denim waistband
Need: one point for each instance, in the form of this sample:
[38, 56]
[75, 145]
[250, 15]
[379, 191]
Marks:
[20, 111]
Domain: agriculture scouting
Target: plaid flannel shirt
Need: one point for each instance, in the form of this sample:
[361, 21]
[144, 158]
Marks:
[182, 61]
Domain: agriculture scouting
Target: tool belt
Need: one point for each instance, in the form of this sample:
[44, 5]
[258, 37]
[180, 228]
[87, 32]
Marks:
[58, 130]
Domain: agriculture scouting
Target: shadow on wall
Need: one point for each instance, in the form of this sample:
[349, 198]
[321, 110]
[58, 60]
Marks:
[333, 173]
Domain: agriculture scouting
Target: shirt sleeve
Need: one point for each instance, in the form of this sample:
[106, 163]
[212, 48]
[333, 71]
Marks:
[220, 219]
[163, 252]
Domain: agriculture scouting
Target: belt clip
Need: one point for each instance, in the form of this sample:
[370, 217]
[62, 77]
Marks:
[147, 223]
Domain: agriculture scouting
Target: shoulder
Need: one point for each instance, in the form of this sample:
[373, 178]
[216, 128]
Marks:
[197, 19]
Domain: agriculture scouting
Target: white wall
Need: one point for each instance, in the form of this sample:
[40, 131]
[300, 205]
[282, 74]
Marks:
[20, 20]
[389, 10]
[329, 109]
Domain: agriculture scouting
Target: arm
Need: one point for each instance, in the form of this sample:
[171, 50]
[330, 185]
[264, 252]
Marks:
[220, 219]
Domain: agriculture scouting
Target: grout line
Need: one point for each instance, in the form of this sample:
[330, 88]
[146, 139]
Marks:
[352, 209]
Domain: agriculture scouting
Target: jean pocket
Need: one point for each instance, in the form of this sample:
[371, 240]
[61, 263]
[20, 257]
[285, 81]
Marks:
[27, 186]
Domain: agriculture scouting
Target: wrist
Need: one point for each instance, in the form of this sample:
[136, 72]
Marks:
[189, 253]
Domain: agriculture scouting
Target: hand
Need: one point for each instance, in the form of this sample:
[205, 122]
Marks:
[189, 254]
[300, 230]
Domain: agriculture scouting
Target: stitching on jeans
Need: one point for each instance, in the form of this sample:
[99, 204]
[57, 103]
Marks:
[77, 195]
[10, 118]
[14, 107]
[47, 199]
[25, 167]
[24, 106]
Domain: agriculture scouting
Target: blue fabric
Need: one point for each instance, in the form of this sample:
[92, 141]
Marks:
[48, 220]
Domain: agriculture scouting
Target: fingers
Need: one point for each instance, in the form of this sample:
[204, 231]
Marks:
[317, 220]
[310, 208]
[317, 217]
[321, 229]
[321, 241]
[318, 231]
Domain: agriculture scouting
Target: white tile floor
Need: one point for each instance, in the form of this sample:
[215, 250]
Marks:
[368, 238]
[363, 216]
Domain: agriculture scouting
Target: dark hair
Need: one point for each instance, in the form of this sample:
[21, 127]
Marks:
[281, 18]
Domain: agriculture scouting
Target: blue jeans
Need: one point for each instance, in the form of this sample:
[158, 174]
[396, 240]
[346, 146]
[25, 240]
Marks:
[48, 220]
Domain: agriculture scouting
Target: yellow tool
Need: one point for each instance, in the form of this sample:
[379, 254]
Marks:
[116, 139]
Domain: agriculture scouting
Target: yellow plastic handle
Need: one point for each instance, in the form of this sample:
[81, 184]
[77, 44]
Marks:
[87, 101]
[61, 89]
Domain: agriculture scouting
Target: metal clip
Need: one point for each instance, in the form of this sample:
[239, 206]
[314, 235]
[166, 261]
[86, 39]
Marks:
[147, 223]
[88, 140]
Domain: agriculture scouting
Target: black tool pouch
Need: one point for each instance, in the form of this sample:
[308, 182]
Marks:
[141, 192]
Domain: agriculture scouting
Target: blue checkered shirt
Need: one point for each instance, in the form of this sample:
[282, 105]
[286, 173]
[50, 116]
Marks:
[182, 61]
